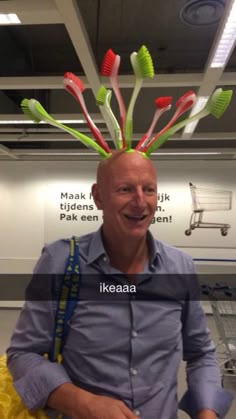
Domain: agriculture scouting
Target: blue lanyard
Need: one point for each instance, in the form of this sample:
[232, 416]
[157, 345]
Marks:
[68, 299]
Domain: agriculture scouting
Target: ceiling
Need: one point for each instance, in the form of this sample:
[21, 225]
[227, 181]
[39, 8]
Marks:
[57, 36]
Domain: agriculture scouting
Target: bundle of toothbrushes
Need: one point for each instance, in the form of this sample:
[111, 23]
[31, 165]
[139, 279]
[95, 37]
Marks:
[121, 126]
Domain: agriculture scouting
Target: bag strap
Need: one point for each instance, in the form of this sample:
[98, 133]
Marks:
[68, 298]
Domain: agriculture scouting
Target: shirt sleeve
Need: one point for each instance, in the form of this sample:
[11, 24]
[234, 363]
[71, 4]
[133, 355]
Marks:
[34, 376]
[203, 375]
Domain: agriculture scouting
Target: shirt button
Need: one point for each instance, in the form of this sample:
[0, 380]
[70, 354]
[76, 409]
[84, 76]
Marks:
[133, 371]
[134, 334]
[137, 412]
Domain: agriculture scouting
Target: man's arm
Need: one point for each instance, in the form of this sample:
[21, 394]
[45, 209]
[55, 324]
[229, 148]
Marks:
[205, 395]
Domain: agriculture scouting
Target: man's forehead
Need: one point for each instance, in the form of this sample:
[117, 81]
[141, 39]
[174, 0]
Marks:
[130, 163]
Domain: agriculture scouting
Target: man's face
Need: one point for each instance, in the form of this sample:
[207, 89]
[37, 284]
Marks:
[127, 193]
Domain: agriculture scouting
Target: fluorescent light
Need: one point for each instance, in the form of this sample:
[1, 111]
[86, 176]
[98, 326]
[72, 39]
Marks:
[9, 19]
[187, 153]
[226, 42]
[51, 153]
[56, 153]
[28, 121]
[201, 101]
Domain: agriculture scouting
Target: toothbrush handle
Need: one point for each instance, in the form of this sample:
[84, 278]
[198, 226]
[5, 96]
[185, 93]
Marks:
[115, 86]
[129, 116]
[170, 123]
[145, 139]
[117, 135]
[160, 140]
[96, 133]
[88, 142]
[75, 92]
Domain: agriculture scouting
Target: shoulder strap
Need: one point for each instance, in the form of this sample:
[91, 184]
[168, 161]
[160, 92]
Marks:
[68, 298]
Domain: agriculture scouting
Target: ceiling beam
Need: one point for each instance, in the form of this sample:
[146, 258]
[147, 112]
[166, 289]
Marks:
[60, 136]
[161, 80]
[65, 116]
[76, 29]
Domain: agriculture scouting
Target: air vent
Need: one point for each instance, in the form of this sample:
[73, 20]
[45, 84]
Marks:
[202, 12]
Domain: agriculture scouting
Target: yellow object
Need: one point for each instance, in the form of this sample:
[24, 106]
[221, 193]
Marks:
[11, 405]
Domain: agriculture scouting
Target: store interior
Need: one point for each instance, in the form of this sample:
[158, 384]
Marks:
[46, 174]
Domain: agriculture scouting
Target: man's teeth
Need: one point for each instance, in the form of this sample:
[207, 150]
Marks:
[136, 217]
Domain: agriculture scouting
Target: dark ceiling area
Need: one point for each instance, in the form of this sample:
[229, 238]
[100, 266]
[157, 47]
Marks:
[56, 36]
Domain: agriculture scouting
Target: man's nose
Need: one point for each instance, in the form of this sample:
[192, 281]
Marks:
[139, 197]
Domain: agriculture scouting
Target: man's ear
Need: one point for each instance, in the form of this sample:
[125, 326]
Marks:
[97, 196]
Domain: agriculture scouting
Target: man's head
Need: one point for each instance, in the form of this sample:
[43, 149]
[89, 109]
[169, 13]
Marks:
[126, 193]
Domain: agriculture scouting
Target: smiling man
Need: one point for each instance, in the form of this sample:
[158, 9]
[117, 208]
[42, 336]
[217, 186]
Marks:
[121, 359]
[126, 192]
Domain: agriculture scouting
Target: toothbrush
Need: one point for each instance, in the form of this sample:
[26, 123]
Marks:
[163, 105]
[103, 98]
[35, 111]
[141, 62]
[75, 87]
[216, 105]
[183, 104]
[109, 68]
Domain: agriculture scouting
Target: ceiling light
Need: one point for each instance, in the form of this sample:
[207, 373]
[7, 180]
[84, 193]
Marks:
[201, 101]
[28, 121]
[56, 153]
[227, 40]
[187, 153]
[202, 12]
[9, 19]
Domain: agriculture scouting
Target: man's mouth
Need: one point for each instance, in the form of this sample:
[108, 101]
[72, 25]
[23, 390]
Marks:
[136, 217]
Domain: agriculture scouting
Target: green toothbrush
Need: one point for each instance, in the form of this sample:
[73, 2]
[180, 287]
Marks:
[141, 62]
[34, 109]
[103, 98]
[216, 105]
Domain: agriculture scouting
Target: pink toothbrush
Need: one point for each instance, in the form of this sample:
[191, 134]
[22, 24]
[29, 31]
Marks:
[74, 85]
[109, 68]
[183, 104]
[163, 105]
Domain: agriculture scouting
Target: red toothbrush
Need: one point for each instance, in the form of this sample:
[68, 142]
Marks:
[163, 104]
[75, 87]
[109, 68]
[183, 104]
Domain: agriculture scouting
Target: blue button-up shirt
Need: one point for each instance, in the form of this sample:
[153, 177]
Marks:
[128, 349]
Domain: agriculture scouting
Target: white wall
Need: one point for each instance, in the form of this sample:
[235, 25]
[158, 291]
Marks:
[30, 201]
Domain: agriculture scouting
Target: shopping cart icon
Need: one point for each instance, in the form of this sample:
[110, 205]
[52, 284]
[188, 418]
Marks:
[204, 200]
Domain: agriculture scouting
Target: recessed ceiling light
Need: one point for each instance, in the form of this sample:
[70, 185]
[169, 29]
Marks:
[202, 12]
[9, 19]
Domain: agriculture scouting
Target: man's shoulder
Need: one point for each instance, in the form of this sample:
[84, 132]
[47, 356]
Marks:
[164, 247]
[174, 257]
[62, 245]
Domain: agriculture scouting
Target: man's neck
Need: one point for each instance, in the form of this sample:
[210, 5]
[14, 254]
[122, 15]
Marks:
[129, 256]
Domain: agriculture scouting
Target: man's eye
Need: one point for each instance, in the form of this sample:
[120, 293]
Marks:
[124, 189]
[150, 190]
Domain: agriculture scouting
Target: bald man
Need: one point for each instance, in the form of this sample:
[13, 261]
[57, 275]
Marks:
[121, 358]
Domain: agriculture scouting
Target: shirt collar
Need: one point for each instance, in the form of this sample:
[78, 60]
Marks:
[96, 248]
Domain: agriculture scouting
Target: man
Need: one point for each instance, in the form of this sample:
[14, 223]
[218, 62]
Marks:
[120, 358]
